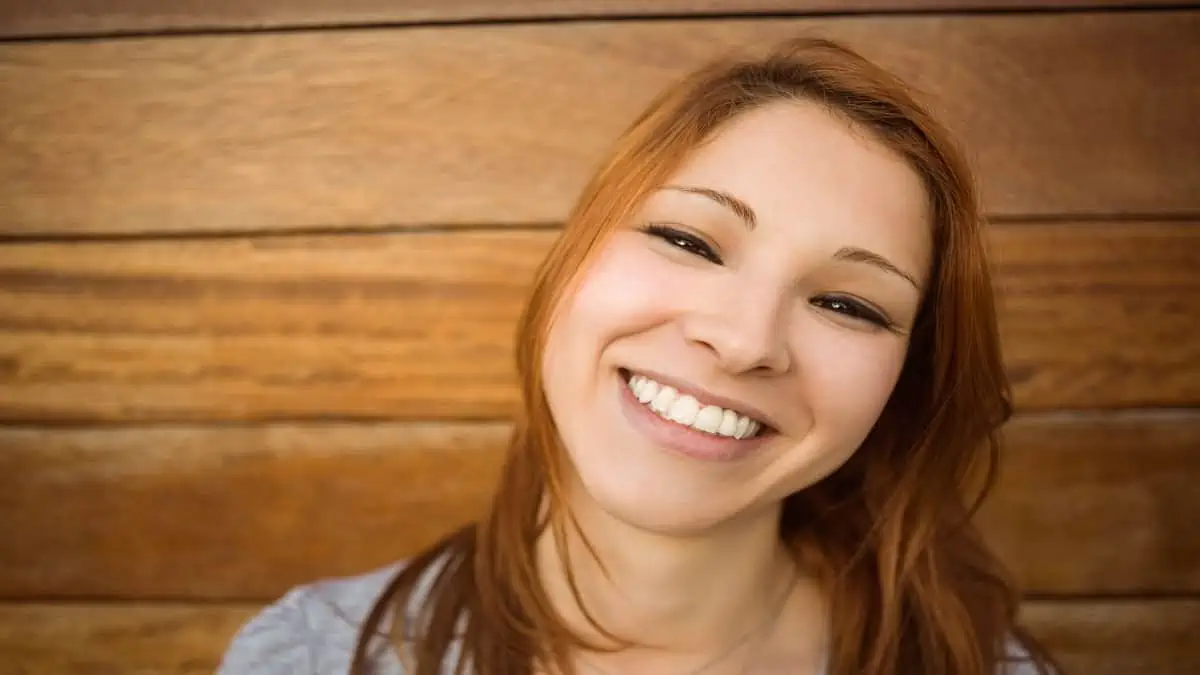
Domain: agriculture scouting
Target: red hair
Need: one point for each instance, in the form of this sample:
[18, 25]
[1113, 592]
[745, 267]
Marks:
[913, 587]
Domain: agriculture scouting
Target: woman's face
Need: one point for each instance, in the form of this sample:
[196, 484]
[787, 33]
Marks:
[737, 339]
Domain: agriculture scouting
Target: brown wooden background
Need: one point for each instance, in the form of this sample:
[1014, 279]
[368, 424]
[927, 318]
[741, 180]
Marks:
[260, 259]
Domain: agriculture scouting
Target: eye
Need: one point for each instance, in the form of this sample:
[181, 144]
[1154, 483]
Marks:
[683, 241]
[854, 309]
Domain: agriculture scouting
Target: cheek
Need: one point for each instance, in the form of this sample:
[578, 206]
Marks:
[625, 290]
[621, 293]
[849, 378]
[844, 381]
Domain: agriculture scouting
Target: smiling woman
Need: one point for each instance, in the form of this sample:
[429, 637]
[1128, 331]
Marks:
[761, 386]
[747, 302]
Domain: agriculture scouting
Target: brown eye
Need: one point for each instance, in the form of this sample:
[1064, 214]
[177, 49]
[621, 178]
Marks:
[854, 309]
[683, 241]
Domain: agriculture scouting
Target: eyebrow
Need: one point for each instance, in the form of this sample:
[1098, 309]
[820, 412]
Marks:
[862, 255]
[740, 208]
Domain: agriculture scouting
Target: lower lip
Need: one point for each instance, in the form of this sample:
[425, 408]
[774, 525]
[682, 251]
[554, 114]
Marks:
[682, 440]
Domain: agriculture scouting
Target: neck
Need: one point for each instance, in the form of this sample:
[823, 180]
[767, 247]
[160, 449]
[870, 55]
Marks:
[679, 597]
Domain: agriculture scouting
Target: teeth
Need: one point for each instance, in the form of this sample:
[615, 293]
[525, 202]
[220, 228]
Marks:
[662, 402]
[646, 389]
[709, 419]
[686, 410]
[729, 423]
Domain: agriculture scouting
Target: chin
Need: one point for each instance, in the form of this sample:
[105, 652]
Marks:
[645, 489]
[663, 511]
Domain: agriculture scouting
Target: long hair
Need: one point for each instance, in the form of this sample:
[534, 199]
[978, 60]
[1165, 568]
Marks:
[913, 587]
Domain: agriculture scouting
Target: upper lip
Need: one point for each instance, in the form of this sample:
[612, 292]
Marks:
[706, 397]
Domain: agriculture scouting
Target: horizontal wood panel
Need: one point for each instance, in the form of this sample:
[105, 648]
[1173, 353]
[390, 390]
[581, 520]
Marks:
[85, 17]
[80, 639]
[1100, 504]
[249, 511]
[1100, 315]
[1126, 637]
[1064, 113]
[420, 326]
[246, 511]
[410, 326]
[1151, 637]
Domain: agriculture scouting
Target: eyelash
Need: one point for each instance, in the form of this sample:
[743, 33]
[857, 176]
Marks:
[684, 241]
[854, 310]
[689, 243]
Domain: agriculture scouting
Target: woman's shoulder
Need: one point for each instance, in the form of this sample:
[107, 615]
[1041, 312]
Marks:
[312, 629]
[1018, 660]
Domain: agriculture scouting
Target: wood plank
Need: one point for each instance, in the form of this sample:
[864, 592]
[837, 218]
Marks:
[501, 124]
[1100, 504]
[1129, 637]
[1114, 307]
[247, 511]
[420, 326]
[375, 326]
[1110, 637]
[118, 639]
[46, 18]
[251, 510]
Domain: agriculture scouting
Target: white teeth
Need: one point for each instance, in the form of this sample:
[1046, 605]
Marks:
[753, 429]
[729, 421]
[743, 424]
[710, 418]
[686, 410]
[646, 389]
[663, 400]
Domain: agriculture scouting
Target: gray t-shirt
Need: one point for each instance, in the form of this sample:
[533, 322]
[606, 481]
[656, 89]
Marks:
[312, 630]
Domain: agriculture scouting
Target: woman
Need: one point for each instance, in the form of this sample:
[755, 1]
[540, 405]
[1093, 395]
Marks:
[761, 390]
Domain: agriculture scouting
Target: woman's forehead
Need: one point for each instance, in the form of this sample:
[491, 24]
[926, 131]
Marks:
[797, 165]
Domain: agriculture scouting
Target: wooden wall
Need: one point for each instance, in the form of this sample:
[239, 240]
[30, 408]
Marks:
[259, 263]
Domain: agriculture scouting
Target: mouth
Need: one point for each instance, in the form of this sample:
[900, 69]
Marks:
[690, 422]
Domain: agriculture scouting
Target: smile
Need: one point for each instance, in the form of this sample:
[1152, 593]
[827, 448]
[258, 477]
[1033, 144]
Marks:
[680, 424]
[673, 406]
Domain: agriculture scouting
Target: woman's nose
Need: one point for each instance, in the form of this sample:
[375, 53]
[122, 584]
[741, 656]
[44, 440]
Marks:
[746, 333]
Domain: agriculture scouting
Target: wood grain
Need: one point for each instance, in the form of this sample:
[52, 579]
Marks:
[127, 639]
[1107, 637]
[218, 512]
[44, 18]
[1114, 307]
[1065, 114]
[376, 326]
[248, 511]
[420, 326]
[1100, 504]
[1133, 637]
